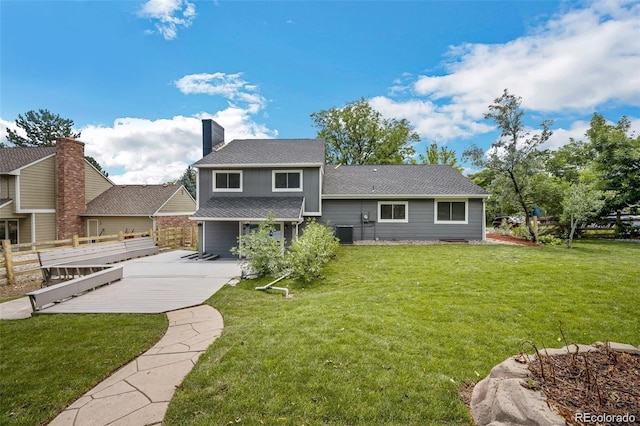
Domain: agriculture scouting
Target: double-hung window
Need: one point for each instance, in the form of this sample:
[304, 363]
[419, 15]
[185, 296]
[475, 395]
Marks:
[286, 180]
[227, 181]
[396, 211]
[451, 211]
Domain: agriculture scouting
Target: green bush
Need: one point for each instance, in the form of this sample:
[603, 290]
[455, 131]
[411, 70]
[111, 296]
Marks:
[264, 256]
[549, 240]
[521, 232]
[314, 248]
[261, 254]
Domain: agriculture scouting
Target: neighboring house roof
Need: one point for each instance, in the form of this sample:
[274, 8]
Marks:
[251, 208]
[131, 200]
[14, 158]
[397, 180]
[5, 202]
[263, 152]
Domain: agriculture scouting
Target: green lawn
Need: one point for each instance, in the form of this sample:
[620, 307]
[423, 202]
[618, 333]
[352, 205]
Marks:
[48, 361]
[393, 332]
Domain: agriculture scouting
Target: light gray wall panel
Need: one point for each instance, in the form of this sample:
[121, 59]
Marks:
[220, 237]
[421, 224]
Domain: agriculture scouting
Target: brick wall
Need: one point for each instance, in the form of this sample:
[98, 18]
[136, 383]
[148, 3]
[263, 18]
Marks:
[70, 202]
[163, 222]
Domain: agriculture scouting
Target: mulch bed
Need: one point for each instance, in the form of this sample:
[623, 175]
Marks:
[600, 383]
[510, 239]
[19, 289]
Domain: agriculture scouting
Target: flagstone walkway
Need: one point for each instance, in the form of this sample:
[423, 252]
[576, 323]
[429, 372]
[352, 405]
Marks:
[139, 393]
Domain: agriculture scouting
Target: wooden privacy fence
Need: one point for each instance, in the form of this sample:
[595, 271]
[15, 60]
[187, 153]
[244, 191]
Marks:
[21, 260]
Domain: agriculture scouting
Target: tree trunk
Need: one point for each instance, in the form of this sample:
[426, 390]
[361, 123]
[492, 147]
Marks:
[574, 224]
[524, 206]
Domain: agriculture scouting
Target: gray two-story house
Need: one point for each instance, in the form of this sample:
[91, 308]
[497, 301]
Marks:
[243, 181]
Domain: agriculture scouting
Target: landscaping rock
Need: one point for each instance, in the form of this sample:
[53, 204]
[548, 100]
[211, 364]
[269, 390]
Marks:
[509, 396]
[503, 398]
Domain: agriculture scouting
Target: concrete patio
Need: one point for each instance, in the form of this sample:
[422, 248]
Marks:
[139, 393]
[155, 284]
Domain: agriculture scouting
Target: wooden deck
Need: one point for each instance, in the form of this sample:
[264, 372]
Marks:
[155, 284]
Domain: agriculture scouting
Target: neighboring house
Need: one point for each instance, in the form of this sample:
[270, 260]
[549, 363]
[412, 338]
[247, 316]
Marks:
[138, 208]
[241, 182]
[44, 192]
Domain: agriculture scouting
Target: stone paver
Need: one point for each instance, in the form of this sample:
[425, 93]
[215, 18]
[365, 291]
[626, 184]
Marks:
[139, 393]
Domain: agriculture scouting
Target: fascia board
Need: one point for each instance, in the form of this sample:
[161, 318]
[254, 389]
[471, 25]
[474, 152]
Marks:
[398, 196]
[255, 166]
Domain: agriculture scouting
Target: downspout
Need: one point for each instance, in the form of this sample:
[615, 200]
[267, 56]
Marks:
[33, 231]
[484, 219]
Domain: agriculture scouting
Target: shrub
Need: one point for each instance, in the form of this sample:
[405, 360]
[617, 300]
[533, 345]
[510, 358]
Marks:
[314, 248]
[521, 232]
[262, 255]
[549, 240]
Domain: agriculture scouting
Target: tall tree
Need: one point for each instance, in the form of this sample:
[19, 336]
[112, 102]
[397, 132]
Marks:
[617, 160]
[581, 203]
[42, 128]
[570, 161]
[440, 155]
[188, 179]
[516, 153]
[358, 134]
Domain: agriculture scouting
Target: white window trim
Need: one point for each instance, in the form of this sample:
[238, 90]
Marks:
[406, 212]
[213, 182]
[451, 222]
[273, 181]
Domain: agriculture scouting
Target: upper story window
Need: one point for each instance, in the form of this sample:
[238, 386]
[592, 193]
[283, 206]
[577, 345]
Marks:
[396, 211]
[451, 211]
[286, 180]
[227, 181]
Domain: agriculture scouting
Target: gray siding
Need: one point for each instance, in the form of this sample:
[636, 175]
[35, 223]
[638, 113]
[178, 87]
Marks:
[256, 182]
[420, 226]
[220, 237]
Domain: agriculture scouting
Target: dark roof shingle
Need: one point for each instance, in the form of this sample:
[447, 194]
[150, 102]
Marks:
[131, 200]
[13, 158]
[250, 208]
[248, 152]
[397, 180]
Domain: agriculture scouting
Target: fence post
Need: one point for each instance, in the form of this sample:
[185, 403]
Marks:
[76, 241]
[8, 261]
[120, 236]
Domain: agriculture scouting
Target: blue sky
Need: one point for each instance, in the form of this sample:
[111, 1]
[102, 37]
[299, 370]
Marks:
[137, 77]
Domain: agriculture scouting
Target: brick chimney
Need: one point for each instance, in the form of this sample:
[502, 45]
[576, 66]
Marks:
[70, 202]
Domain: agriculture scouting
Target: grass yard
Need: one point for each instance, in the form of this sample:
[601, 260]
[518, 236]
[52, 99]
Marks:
[394, 332]
[48, 361]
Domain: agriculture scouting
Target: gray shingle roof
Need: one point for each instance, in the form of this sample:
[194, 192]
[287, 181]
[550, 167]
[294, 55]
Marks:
[397, 180]
[14, 158]
[131, 200]
[251, 208]
[248, 152]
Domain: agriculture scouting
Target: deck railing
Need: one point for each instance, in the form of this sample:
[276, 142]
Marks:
[20, 261]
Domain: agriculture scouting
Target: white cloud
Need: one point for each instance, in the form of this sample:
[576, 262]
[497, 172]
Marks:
[577, 61]
[138, 151]
[230, 86]
[4, 124]
[168, 15]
